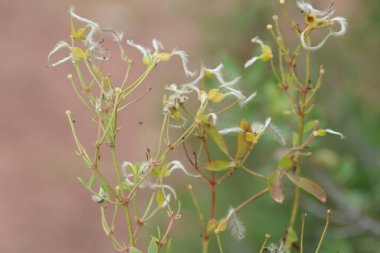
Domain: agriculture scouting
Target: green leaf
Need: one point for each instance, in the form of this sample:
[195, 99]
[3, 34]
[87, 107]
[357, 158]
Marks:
[291, 236]
[276, 188]
[134, 250]
[220, 165]
[169, 247]
[153, 247]
[308, 185]
[294, 139]
[92, 181]
[309, 126]
[285, 162]
[160, 198]
[104, 186]
[218, 139]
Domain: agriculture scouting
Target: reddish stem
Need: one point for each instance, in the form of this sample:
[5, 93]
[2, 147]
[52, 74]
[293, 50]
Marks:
[212, 181]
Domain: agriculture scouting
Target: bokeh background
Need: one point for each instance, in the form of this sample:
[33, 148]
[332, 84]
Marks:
[44, 208]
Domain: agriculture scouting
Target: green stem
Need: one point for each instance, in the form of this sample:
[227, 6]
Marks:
[219, 243]
[129, 224]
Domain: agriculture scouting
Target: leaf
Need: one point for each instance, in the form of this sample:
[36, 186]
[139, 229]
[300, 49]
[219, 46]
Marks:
[104, 186]
[134, 250]
[220, 165]
[218, 139]
[276, 188]
[277, 134]
[160, 198]
[294, 139]
[92, 181]
[308, 185]
[243, 145]
[153, 247]
[169, 247]
[291, 236]
[309, 126]
[285, 162]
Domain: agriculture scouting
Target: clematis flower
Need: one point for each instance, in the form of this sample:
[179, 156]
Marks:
[266, 53]
[76, 54]
[177, 165]
[217, 95]
[257, 130]
[317, 19]
[322, 132]
[79, 33]
[160, 54]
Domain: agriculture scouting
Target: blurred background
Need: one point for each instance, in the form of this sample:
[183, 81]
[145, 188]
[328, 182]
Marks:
[45, 209]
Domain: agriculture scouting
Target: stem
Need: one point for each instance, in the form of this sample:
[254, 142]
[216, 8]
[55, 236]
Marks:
[302, 231]
[252, 198]
[198, 209]
[79, 95]
[212, 181]
[301, 114]
[129, 224]
[80, 76]
[328, 215]
[219, 243]
[205, 243]
[169, 228]
[267, 236]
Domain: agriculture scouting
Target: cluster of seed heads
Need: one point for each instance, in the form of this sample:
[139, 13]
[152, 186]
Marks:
[173, 102]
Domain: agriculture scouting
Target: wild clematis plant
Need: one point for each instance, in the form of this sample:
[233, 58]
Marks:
[193, 111]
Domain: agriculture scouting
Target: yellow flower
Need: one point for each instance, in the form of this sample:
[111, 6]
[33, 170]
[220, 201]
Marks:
[266, 53]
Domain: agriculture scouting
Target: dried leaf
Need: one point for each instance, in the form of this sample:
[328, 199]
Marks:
[309, 186]
[220, 165]
[276, 188]
[243, 145]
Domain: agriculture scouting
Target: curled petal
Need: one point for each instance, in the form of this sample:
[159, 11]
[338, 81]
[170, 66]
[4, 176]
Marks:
[142, 49]
[259, 128]
[308, 8]
[84, 20]
[257, 40]
[157, 45]
[57, 47]
[213, 117]
[165, 186]
[184, 60]
[178, 165]
[247, 100]
[214, 71]
[343, 25]
[231, 130]
[343, 28]
[251, 61]
[224, 84]
[335, 133]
